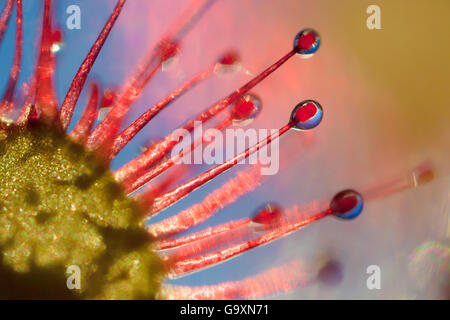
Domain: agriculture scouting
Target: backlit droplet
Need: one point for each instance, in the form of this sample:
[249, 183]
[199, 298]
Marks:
[306, 42]
[56, 40]
[347, 204]
[269, 215]
[306, 115]
[246, 109]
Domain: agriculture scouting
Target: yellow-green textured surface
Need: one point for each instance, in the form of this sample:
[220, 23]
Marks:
[59, 206]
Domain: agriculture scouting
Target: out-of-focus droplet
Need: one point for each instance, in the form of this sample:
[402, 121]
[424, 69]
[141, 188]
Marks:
[108, 99]
[270, 215]
[347, 204]
[423, 174]
[168, 51]
[331, 273]
[107, 102]
[307, 42]
[306, 115]
[229, 63]
[246, 109]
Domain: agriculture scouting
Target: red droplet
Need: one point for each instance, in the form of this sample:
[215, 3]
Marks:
[229, 58]
[244, 108]
[108, 99]
[306, 112]
[306, 41]
[270, 215]
[57, 36]
[344, 202]
[167, 48]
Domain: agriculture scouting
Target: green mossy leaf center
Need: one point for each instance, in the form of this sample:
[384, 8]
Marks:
[60, 206]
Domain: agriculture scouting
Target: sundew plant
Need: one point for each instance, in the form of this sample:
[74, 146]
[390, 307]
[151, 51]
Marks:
[97, 200]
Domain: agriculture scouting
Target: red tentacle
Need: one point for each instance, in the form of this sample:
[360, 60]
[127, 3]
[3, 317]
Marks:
[158, 151]
[161, 186]
[29, 114]
[126, 135]
[165, 49]
[77, 85]
[45, 95]
[189, 18]
[4, 18]
[85, 124]
[107, 130]
[183, 190]
[276, 280]
[240, 230]
[205, 234]
[7, 101]
[165, 165]
[196, 263]
[246, 181]
[423, 173]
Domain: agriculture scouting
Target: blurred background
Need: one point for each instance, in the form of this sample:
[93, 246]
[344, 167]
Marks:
[385, 95]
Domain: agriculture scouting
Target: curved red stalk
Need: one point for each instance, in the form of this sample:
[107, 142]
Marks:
[158, 151]
[196, 263]
[281, 279]
[6, 14]
[246, 181]
[45, 99]
[8, 97]
[77, 85]
[183, 190]
[129, 133]
[84, 125]
[165, 165]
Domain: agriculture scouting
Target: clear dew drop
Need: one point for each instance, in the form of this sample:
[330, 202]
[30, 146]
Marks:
[269, 215]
